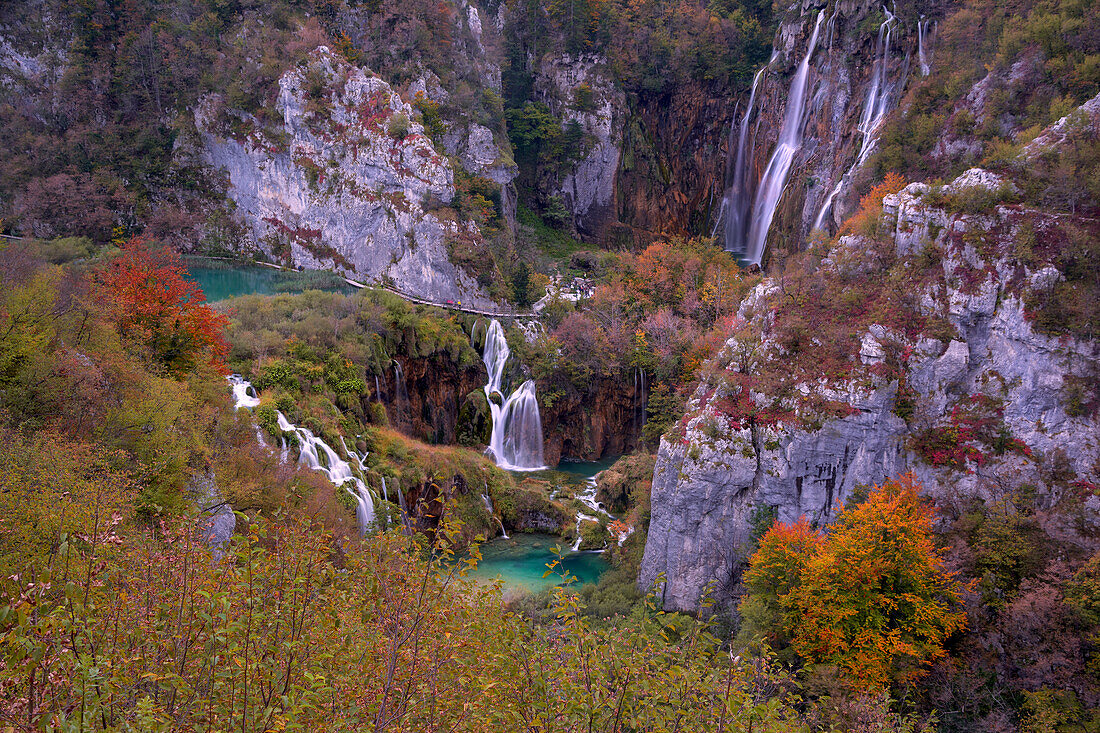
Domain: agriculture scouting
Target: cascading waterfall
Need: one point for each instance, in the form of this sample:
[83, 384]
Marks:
[243, 393]
[588, 498]
[733, 214]
[360, 461]
[516, 439]
[774, 179]
[641, 398]
[875, 107]
[315, 453]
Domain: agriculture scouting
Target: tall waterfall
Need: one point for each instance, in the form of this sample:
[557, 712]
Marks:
[315, 453]
[733, 215]
[875, 106]
[516, 440]
[774, 179]
[922, 56]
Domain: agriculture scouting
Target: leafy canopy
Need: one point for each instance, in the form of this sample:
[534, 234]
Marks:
[871, 598]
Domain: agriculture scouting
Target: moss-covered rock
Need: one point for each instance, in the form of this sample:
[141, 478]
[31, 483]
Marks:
[622, 485]
[475, 422]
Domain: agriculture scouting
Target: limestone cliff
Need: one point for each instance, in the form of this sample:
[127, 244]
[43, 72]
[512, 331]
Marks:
[345, 180]
[582, 92]
[913, 346]
[863, 58]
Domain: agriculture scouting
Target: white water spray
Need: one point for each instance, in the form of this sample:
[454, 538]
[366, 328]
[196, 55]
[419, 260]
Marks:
[516, 439]
[315, 453]
[922, 56]
[243, 393]
[733, 215]
[774, 179]
[875, 107]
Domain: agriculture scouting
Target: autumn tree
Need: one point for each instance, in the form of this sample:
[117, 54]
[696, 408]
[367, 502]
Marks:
[871, 598]
[157, 309]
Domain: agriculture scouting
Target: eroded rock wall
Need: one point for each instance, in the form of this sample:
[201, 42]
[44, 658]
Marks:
[347, 181]
[908, 401]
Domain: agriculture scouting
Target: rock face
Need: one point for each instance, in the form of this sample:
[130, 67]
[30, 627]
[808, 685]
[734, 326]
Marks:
[605, 421]
[582, 91]
[347, 181]
[910, 401]
[863, 62]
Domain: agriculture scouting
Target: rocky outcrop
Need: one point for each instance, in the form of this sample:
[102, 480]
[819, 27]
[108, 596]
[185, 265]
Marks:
[347, 181]
[582, 92]
[976, 406]
[423, 397]
[604, 420]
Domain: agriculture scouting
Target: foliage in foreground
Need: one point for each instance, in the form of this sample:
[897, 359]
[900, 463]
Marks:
[871, 598]
[141, 628]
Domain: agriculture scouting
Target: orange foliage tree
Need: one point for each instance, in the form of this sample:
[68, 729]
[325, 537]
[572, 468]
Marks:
[155, 307]
[865, 220]
[871, 598]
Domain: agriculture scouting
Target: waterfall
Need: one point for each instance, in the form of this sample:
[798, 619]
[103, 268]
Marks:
[315, 453]
[588, 498]
[774, 179]
[875, 107]
[922, 58]
[363, 471]
[489, 508]
[243, 393]
[516, 439]
[733, 215]
[377, 390]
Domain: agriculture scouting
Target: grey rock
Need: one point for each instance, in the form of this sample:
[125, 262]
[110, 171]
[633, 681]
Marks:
[708, 484]
[342, 189]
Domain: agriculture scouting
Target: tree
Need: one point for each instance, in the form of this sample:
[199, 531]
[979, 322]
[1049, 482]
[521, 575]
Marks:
[520, 284]
[871, 598]
[158, 310]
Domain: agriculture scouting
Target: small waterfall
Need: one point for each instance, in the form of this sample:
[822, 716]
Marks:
[516, 439]
[733, 215]
[401, 503]
[641, 398]
[922, 56]
[377, 390]
[400, 392]
[243, 393]
[588, 498]
[315, 453]
[875, 107]
[489, 508]
[360, 461]
[774, 180]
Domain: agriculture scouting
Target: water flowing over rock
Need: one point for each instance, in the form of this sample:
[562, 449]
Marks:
[880, 95]
[345, 181]
[516, 442]
[733, 217]
[924, 57]
[315, 453]
[774, 178]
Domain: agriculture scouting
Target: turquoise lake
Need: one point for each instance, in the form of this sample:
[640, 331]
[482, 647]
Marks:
[222, 283]
[521, 560]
